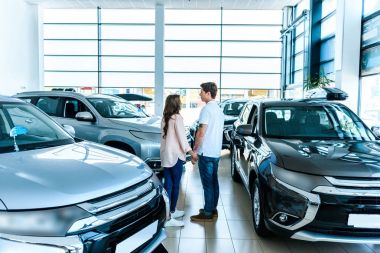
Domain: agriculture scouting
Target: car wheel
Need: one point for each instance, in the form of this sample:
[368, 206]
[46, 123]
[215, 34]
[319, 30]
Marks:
[234, 174]
[257, 211]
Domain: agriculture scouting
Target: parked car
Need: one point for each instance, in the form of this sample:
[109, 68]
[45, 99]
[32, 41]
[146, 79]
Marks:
[231, 109]
[134, 97]
[105, 119]
[141, 101]
[60, 194]
[311, 168]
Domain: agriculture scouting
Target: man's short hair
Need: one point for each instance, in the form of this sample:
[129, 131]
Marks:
[210, 87]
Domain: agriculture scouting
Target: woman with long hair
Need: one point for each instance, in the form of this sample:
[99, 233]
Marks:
[174, 147]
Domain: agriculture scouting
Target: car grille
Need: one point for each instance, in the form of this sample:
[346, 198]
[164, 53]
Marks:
[119, 199]
[127, 212]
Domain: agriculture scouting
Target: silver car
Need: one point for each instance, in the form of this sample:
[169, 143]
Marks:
[61, 195]
[105, 119]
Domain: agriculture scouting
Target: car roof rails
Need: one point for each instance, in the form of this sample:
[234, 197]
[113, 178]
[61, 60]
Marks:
[325, 93]
[64, 89]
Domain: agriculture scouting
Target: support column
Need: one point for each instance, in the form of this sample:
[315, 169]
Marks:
[347, 49]
[159, 59]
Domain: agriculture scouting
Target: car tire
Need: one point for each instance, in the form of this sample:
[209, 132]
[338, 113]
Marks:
[258, 211]
[234, 173]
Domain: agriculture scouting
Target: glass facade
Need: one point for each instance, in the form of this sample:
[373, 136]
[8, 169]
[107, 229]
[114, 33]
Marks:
[295, 40]
[370, 64]
[112, 51]
[327, 38]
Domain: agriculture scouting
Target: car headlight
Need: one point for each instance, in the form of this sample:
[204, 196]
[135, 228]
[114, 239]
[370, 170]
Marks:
[167, 203]
[156, 137]
[49, 222]
[289, 204]
[157, 183]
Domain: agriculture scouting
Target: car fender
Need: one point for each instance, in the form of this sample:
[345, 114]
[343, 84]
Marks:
[120, 138]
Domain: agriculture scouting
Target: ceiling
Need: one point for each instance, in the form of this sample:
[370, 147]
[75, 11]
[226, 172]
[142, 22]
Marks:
[169, 4]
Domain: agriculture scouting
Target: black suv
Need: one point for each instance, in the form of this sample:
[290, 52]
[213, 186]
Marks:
[312, 169]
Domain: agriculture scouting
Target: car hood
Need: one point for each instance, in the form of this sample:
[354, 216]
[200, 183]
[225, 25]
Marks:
[66, 175]
[148, 124]
[329, 158]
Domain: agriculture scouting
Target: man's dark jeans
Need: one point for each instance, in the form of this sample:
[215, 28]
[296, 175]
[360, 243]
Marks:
[172, 177]
[208, 169]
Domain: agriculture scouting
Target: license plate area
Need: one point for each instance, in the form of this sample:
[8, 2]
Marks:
[137, 239]
[364, 220]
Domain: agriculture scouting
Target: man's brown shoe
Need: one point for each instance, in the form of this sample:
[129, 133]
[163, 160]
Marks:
[202, 217]
[214, 213]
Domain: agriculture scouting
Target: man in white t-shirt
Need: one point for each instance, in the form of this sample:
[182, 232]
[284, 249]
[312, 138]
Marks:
[208, 145]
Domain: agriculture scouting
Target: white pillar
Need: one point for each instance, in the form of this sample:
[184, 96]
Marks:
[347, 49]
[18, 47]
[159, 59]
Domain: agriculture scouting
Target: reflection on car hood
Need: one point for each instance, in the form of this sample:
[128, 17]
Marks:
[66, 175]
[329, 158]
[148, 124]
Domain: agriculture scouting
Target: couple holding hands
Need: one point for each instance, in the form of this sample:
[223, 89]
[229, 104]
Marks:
[207, 148]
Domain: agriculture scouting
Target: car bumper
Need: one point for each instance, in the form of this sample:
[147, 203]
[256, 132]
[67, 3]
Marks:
[63, 244]
[329, 219]
[140, 231]
[318, 237]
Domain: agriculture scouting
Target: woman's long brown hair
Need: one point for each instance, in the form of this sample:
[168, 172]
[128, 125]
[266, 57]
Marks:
[172, 106]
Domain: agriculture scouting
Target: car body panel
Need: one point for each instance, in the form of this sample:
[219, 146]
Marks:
[329, 158]
[66, 175]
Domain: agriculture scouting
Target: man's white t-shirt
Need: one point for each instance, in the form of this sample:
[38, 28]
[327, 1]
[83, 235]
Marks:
[212, 116]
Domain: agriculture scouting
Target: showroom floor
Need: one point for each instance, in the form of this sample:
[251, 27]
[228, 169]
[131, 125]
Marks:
[233, 230]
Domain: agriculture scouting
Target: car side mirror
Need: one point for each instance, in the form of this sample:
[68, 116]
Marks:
[244, 130]
[376, 131]
[84, 116]
[69, 129]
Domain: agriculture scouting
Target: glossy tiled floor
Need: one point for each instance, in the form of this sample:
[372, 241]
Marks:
[233, 230]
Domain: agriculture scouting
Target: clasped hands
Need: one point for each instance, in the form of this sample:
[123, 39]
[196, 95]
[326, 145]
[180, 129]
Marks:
[194, 157]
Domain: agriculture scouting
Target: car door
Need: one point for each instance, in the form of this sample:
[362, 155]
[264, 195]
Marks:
[86, 130]
[239, 141]
[248, 144]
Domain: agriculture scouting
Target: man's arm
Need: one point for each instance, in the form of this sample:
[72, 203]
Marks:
[199, 136]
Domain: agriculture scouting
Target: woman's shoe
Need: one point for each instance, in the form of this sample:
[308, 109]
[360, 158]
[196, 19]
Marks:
[174, 223]
[177, 214]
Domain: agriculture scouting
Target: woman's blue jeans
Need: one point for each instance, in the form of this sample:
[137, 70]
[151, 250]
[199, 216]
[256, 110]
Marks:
[172, 177]
[208, 169]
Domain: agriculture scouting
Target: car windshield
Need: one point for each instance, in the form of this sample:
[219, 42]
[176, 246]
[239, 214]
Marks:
[333, 121]
[116, 108]
[33, 129]
[233, 109]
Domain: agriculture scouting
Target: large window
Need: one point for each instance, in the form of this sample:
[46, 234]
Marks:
[113, 51]
[309, 41]
[99, 50]
[295, 41]
[240, 50]
[370, 64]
[327, 38]
[70, 48]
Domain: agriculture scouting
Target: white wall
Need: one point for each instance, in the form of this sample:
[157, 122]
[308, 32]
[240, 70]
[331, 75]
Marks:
[19, 57]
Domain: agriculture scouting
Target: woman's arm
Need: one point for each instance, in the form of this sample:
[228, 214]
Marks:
[180, 133]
